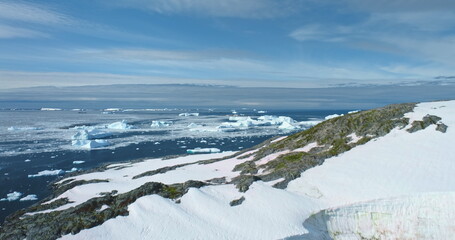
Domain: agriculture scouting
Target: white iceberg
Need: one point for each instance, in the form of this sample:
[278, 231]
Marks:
[51, 109]
[194, 125]
[274, 120]
[90, 144]
[78, 162]
[355, 111]
[189, 114]
[309, 124]
[12, 196]
[262, 112]
[47, 173]
[112, 109]
[72, 170]
[203, 150]
[90, 133]
[119, 125]
[159, 124]
[13, 128]
[333, 116]
[288, 126]
[30, 197]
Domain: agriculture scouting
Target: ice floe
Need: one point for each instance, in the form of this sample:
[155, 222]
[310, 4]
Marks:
[122, 125]
[12, 196]
[188, 114]
[78, 162]
[47, 173]
[203, 150]
[90, 144]
[159, 124]
[90, 133]
[14, 128]
[30, 197]
[333, 116]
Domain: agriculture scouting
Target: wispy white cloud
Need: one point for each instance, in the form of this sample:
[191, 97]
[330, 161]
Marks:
[421, 31]
[218, 8]
[17, 32]
[31, 13]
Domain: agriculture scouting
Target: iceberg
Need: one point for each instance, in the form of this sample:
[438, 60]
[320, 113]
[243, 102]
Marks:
[12, 196]
[89, 134]
[194, 125]
[188, 114]
[72, 170]
[13, 128]
[119, 125]
[288, 126]
[159, 124]
[30, 197]
[203, 150]
[333, 116]
[78, 162]
[51, 109]
[308, 124]
[90, 144]
[47, 173]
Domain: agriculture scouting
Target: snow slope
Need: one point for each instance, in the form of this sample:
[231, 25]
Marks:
[398, 186]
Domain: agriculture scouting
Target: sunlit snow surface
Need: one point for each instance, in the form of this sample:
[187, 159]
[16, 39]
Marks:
[400, 186]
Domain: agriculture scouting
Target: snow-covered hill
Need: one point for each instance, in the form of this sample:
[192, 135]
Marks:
[380, 174]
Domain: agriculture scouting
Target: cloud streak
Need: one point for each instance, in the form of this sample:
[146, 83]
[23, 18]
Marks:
[221, 8]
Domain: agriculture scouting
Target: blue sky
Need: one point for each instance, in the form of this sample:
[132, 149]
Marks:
[271, 43]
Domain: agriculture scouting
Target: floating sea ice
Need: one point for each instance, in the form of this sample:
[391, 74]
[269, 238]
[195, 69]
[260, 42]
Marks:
[47, 173]
[90, 133]
[158, 124]
[194, 125]
[308, 124]
[189, 114]
[78, 162]
[12, 196]
[51, 109]
[262, 112]
[203, 150]
[72, 170]
[90, 144]
[13, 128]
[288, 126]
[333, 116]
[27, 160]
[119, 125]
[30, 197]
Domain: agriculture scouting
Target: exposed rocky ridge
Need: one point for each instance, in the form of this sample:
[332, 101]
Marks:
[52, 225]
[331, 137]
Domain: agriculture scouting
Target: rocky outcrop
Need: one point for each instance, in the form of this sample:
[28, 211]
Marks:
[52, 225]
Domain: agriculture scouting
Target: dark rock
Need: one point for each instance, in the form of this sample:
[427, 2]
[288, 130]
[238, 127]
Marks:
[426, 121]
[441, 127]
[237, 201]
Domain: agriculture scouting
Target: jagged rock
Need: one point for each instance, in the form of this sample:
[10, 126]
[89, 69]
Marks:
[237, 201]
[426, 121]
[441, 127]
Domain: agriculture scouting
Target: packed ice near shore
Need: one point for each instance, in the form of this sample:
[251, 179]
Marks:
[377, 174]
